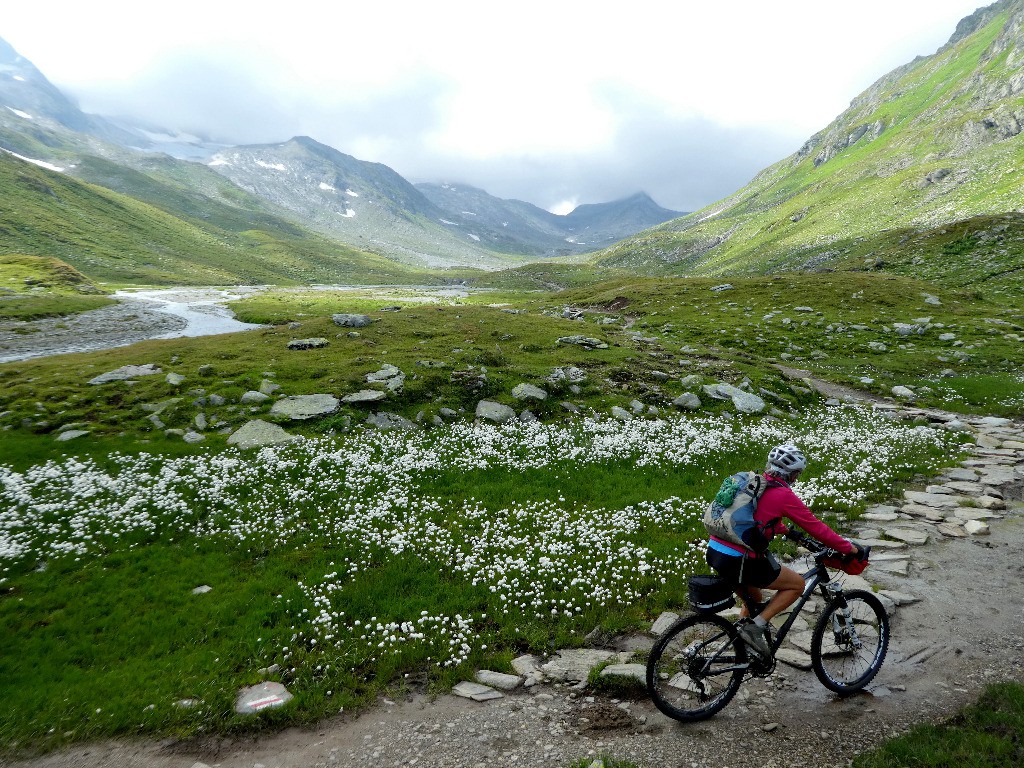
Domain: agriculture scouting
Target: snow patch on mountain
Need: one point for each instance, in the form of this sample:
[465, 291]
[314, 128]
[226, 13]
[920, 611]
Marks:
[348, 214]
[19, 113]
[272, 166]
[40, 163]
[327, 187]
[475, 237]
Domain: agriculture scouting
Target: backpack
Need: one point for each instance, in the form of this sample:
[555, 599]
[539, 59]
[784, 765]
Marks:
[730, 516]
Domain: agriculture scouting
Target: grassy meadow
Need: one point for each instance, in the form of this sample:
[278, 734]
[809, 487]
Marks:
[358, 562]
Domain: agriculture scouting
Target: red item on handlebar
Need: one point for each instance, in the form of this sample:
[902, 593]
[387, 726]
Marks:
[846, 563]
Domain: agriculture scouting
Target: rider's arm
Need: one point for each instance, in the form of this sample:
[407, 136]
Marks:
[793, 509]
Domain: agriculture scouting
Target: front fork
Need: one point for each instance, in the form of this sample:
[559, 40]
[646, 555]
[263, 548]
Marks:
[843, 628]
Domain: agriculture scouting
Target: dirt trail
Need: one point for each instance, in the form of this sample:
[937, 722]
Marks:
[966, 631]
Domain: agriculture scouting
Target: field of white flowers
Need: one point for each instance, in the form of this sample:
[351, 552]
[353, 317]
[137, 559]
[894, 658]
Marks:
[399, 574]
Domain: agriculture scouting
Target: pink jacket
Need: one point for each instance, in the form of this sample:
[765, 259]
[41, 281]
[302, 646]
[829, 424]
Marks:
[780, 502]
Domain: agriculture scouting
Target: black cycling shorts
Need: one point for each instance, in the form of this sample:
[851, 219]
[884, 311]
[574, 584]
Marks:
[751, 571]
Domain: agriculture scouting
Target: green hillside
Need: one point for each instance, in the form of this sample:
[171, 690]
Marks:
[932, 143]
[194, 240]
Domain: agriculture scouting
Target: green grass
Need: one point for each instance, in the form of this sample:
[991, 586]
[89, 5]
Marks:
[684, 329]
[33, 287]
[985, 735]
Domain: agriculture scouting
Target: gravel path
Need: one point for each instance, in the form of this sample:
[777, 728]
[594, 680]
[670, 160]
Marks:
[965, 632]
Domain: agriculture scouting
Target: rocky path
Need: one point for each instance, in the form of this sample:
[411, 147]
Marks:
[958, 624]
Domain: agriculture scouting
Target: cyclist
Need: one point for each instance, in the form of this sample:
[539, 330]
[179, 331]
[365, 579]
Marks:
[754, 570]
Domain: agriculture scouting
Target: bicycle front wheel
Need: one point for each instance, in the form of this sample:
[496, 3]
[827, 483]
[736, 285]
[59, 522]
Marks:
[696, 667]
[850, 641]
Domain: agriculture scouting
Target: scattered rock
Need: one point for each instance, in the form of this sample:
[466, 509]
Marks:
[976, 528]
[390, 422]
[687, 401]
[636, 672]
[364, 396]
[488, 410]
[574, 665]
[583, 341]
[904, 393]
[498, 680]
[174, 379]
[261, 697]
[303, 407]
[351, 321]
[193, 437]
[529, 392]
[127, 372]
[202, 590]
[475, 691]
[259, 433]
[314, 343]
[252, 397]
[71, 434]
[621, 413]
[663, 622]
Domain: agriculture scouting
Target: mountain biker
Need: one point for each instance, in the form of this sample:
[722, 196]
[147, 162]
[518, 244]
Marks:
[754, 570]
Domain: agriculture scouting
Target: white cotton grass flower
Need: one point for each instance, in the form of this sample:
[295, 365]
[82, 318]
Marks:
[362, 496]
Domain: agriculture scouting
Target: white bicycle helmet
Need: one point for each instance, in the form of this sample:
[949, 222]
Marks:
[786, 459]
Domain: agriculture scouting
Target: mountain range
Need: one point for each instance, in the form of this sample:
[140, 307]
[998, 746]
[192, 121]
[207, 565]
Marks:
[921, 175]
[363, 205]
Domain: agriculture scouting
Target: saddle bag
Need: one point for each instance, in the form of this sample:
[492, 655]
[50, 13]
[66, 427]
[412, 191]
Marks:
[710, 594]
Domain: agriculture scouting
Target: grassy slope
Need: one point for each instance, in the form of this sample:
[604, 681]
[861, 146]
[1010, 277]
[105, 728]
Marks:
[110, 236]
[792, 213]
[36, 286]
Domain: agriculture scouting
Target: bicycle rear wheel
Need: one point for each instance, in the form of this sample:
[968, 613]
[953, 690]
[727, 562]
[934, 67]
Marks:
[850, 641]
[696, 667]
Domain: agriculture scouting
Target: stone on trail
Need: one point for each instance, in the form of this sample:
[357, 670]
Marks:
[351, 321]
[475, 691]
[261, 697]
[527, 664]
[973, 513]
[900, 598]
[314, 343]
[259, 433]
[909, 535]
[488, 410]
[127, 372]
[952, 530]
[991, 502]
[928, 513]
[880, 514]
[302, 407]
[895, 567]
[794, 658]
[663, 622]
[529, 392]
[574, 665]
[931, 499]
[976, 528]
[499, 680]
[636, 672]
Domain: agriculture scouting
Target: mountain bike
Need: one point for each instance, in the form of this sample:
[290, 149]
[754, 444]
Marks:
[698, 664]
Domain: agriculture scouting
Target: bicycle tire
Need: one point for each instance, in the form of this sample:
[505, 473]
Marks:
[696, 667]
[838, 662]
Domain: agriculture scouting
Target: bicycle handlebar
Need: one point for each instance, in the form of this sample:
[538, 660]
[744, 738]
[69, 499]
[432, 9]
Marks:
[819, 550]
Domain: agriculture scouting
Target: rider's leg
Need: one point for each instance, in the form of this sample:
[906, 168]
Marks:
[752, 593]
[789, 586]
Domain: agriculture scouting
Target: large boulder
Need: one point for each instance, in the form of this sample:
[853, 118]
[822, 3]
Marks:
[259, 433]
[488, 410]
[302, 407]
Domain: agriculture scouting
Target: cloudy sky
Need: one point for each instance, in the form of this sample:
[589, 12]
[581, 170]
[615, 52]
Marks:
[557, 102]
